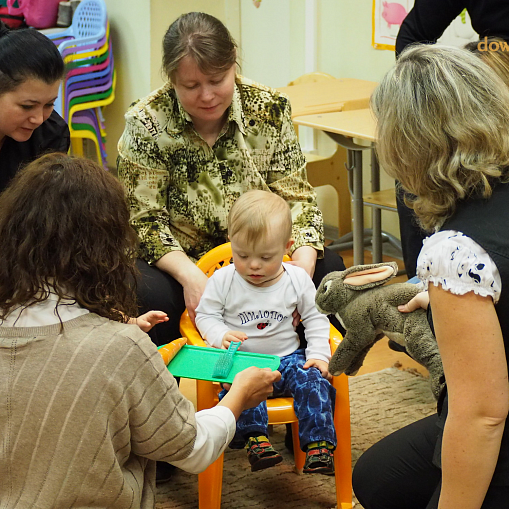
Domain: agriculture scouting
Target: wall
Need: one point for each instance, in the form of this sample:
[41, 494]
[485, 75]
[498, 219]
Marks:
[345, 51]
[130, 35]
[266, 36]
[276, 31]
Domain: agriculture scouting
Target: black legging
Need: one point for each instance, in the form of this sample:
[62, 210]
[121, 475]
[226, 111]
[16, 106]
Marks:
[159, 291]
[398, 473]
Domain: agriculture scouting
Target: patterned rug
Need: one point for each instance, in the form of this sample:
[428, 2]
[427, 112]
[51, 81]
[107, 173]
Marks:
[380, 402]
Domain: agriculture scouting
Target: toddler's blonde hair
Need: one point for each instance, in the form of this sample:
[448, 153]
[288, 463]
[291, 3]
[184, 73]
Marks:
[256, 213]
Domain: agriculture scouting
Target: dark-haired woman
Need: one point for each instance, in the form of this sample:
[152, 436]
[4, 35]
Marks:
[31, 70]
[190, 149]
[88, 406]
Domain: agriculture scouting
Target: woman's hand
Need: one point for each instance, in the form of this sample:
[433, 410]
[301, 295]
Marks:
[295, 318]
[249, 388]
[193, 290]
[305, 257]
[421, 300]
[193, 280]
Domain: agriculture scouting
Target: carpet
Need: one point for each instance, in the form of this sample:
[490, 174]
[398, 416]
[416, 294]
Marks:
[380, 403]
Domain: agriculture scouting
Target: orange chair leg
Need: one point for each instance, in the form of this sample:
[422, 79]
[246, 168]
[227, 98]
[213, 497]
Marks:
[210, 485]
[205, 394]
[342, 454]
[298, 454]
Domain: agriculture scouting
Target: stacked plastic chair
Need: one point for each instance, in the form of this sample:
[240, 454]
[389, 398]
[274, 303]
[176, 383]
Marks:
[89, 82]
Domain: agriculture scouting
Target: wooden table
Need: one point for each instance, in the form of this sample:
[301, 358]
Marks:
[355, 130]
[323, 96]
[329, 95]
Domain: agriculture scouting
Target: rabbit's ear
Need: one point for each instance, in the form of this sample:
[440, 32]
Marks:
[373, 277]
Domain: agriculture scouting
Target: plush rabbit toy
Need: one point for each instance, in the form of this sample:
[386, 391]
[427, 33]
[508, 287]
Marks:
[368, 311]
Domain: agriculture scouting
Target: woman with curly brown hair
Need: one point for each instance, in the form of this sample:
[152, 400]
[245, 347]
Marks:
[88, 406]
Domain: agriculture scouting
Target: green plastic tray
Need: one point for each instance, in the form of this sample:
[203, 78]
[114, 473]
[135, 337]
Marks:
[198, 362]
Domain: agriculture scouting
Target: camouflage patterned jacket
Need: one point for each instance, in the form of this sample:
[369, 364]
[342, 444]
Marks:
[180, 190]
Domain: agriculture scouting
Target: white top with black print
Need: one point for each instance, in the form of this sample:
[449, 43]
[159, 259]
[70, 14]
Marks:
[460, 265]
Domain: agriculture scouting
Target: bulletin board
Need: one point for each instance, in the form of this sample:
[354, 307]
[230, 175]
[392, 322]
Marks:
[388, 16]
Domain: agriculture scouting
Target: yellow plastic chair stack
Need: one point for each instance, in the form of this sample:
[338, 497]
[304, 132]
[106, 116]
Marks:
[90, 79]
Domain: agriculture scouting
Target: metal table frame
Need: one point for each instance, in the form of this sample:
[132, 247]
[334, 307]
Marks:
[361, 237]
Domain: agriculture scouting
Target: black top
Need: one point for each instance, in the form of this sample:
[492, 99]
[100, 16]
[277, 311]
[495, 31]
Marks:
[428, 19]
[51, 136]
[485, 222]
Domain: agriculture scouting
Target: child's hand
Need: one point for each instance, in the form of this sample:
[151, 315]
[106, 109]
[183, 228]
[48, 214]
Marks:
[421, 300]
[146, 321]
[321, 365]
[232, 335]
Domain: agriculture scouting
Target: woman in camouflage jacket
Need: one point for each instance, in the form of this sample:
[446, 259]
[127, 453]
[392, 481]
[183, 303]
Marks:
[190, 149]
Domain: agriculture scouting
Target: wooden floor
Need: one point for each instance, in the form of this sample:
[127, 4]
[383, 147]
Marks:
[379, 357]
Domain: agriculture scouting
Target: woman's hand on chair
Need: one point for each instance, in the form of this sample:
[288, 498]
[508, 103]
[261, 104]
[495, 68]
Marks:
[193, 292]
[178, 265]
[295, 318]
[249, 388]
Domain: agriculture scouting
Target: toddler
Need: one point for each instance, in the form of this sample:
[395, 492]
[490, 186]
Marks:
[252, 301]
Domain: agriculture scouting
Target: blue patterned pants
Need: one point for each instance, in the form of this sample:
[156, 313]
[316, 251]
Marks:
[313, 401]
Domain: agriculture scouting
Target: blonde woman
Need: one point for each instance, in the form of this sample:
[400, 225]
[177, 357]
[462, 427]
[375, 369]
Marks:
[443, 124]
[426, 22]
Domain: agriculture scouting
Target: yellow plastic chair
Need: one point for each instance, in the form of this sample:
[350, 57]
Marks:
[77, 136]
[89, 54]
[280, 410]
[329, 170]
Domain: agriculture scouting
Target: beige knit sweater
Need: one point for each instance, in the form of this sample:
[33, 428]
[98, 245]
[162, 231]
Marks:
[84, 414]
